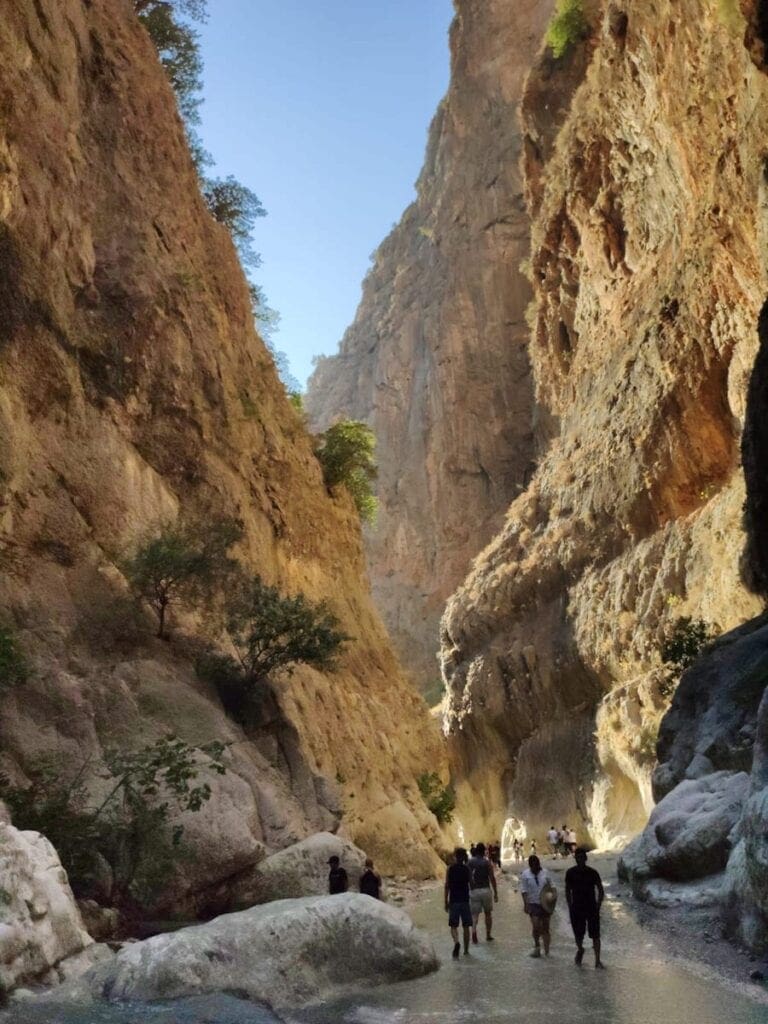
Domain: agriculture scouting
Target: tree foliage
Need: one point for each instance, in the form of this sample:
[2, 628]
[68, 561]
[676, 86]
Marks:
[685, 641]
[13, 664]
[129, 826]
[346, 453]
[183, 562]
[237, 207]
[567, 26]
[440, 799]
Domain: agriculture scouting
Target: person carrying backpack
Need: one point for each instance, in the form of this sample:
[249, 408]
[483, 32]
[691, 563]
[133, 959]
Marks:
[481, 881]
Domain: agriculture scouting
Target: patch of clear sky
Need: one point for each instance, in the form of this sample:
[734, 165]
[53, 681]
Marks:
[322, 108]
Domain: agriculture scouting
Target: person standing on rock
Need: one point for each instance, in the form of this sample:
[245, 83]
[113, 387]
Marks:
[457, 900]
[370, 882]
[532, 881]
[584, 893]
[338, 880]
[482, 880]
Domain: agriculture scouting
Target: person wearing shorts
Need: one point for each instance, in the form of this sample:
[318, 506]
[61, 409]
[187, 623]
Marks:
[457, 900]
[584, 893]
[482, 881]
[532, 881]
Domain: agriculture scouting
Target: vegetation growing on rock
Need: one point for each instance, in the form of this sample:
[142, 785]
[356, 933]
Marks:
[440, 799]
[13, 664]
[567, 27]
[346, 453]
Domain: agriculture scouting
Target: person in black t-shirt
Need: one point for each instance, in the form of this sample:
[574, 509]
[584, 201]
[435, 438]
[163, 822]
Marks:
[584, 893]
[370, 882]
[457, 900]
[337, 877]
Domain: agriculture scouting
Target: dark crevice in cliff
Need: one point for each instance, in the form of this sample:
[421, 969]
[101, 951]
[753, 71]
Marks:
[755, 459]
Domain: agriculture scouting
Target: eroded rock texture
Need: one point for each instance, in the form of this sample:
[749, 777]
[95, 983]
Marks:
[436, 358]
[133, 389]
[644, 177]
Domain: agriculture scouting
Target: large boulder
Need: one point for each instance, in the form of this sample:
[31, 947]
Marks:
[710, 726]
[286, 954]
[690, 832]
[299, 870]
[40, 925]
[745, 898]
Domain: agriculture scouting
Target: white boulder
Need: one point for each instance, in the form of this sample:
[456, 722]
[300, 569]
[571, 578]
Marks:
[286, 954]
[299, 870]
[40, 924]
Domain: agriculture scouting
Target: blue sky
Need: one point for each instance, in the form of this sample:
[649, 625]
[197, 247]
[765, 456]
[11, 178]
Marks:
[322, 108]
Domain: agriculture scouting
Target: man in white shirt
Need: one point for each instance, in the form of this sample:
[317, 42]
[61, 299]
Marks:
[532, 881]
[553, 838]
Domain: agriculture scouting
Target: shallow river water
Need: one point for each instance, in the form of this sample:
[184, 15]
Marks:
[497, 983]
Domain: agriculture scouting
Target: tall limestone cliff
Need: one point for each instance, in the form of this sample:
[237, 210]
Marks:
[436, 360]
[133, 389]
[645, 180]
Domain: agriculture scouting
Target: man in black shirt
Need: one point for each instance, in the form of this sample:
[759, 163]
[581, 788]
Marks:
[457, 900]
[337, 877]
[584, 893]
[370, 882]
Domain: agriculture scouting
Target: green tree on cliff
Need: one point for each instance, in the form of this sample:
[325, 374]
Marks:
[346, 453]
[184, 561]
[567, 26]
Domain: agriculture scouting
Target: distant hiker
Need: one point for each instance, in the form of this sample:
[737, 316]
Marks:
[338, 880]
[497, 854]
[532, 882]
[370, 882]
[571, 840]
[553, 838]
[532, 850]
[457, 879]
[564, 841]
[517, 847]
[482, 880]
[472, 850]
[584, 893]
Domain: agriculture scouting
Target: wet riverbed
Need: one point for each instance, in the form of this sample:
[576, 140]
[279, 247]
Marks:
[498, 982]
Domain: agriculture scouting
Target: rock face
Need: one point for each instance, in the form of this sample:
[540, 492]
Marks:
[300, 870]
[643, 158]
[133, 389]
[436, 358]
[285, 954]
[40, 925]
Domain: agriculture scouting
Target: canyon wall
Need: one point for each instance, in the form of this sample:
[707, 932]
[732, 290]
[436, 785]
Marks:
[436, 360]
[646, 191]
[133, 390]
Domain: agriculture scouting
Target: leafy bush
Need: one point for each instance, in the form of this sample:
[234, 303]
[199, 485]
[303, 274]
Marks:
[346, 454]
[647, 741]
[440, 799]
[680, 648]
[184, 561]
[268, 631]
[13, 664]
[127, 828]
[567, 26]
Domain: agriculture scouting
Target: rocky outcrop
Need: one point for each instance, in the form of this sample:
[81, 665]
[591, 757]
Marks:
[133, 390]
[40, 925]
[436, 358]
[285, 954]
[299, 870]
[643, 155]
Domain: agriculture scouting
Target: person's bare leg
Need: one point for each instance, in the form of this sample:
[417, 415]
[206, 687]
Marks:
[455, 937]
[466, 940]
[596, 947]
[536, 930]
[545, 938]
[488, 925]
[475, 922]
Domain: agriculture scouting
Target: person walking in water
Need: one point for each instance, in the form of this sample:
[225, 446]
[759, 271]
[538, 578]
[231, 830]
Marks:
[338, 881]
[532, 881]
[457, 900]
[482, 880]
[370, 882]
[584, 893]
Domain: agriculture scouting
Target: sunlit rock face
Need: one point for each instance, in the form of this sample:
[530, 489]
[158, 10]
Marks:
[643, 157]
[133, 388]
[436, 359]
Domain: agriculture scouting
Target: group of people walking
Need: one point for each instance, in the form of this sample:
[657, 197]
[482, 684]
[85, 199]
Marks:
[471, 891]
